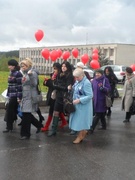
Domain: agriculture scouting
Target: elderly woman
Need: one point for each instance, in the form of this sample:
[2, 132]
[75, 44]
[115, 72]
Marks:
[101, 87]
[29, 101]
[128, 93]
[81, 119]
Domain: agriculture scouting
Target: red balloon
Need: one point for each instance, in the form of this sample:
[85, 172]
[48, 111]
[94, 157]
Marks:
[66, 55]
[94, 64]
[84, 58]
[133, 67]
[59, 52]
[53, 55]
[95, 56]
[75, 52]
[95, 51]
[39, 35]
[45, 53]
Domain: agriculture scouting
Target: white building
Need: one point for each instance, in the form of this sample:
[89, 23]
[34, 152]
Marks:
[120, 54]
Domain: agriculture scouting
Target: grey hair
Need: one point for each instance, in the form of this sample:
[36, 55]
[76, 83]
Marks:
[78, 72]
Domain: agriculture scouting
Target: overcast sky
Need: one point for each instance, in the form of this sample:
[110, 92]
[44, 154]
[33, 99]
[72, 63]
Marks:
[66, 22]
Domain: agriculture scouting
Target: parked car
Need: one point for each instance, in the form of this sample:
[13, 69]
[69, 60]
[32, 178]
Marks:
[119, 71]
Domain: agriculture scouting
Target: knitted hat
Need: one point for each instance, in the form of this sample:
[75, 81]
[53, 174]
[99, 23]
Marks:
[129, 70]
[12, 62]
[80, 64]
[99, 71]
[56, 65]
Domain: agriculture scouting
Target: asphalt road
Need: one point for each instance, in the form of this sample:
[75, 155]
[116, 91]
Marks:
[104, 155]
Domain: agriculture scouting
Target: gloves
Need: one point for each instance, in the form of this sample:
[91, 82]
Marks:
[101, 88]
[100, 85]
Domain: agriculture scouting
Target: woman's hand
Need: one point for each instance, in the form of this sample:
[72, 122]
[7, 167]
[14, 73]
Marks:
[18, 100]
[69, 87]
[77, 101]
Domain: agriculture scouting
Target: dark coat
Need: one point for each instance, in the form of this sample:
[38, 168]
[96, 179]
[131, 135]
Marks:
[113, 80]
[49, 84]
[99, 93]
[61, 85]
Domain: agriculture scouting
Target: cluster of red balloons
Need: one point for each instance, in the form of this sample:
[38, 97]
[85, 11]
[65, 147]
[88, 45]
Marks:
[94, 62]
[54, 54]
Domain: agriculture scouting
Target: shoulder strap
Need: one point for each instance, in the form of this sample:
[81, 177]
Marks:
[103, 82]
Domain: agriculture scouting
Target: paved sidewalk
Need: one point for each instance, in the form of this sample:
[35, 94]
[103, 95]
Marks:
[105, 155]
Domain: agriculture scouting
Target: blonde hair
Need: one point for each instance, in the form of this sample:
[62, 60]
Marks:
[78, 72]
[27, 62]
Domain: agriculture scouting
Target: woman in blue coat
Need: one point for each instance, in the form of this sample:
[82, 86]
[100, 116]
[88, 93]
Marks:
[101, 87]
[81, 119]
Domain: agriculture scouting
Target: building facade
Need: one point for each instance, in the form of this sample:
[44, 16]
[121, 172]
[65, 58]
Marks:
[120, 54]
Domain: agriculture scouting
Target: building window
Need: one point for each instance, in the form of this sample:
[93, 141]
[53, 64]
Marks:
[111, 52]
[105, 52]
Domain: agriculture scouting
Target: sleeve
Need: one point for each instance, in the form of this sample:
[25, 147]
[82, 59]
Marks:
[133, 85]
[88, 93]
[64, 87]
[33, 79]
[19, 85]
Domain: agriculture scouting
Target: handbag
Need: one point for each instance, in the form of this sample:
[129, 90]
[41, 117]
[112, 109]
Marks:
[53, 94]
[108, 100]
[68, 103]
[116, 93]
[39, 95]
[132, 108]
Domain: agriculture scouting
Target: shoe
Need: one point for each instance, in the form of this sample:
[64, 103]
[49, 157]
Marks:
[73, 132]
[20, 124]
[44, 129]
[24, 137]
[126, 121]
[77, 140]
[51, 134]
[63, 124]
[108, 114]
[38, 130]
[7, 130]
[102, 128]
[90, 131]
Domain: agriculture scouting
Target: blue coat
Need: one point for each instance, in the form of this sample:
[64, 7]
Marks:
[82, 118]
[99, 93]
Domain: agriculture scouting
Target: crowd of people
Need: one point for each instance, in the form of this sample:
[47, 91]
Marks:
[89, 98]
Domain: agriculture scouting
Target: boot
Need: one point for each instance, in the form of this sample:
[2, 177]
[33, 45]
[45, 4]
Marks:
[109, 112]
[94, 124]
[64, 122]
[126, 121]
[79, 138]
[54, 126]
[84, 133]
[47, 124]
[41, 118]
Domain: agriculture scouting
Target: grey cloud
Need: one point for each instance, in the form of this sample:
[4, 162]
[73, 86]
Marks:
[66, 22]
